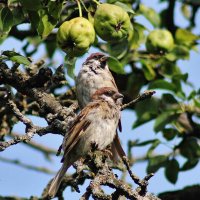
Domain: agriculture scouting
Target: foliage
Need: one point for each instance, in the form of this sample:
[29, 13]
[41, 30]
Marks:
[175, 113]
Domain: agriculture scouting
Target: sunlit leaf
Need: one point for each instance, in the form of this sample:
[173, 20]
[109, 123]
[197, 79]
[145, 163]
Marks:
[178, 52]
[185, 37]
[138, 36]
[162, 84]
[70, 64]
[125, 7]
[15, 57]
[46, 23]
[186, 11]
[148, 69]
[150, 14]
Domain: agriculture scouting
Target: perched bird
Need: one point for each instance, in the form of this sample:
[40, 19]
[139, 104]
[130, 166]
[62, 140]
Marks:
[95, 124]
[94, 75]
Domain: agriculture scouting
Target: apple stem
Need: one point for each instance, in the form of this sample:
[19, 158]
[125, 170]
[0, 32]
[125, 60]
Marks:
[98, 3]
[82, 2]
[79, 8]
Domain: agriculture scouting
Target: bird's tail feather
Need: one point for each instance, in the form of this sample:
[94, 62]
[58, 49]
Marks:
[57, 180]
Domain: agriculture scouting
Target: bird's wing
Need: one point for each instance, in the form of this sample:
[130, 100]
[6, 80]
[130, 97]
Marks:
[120, 125]
[118, 146]
[78, 128]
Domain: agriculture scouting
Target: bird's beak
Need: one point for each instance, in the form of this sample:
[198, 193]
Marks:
[104, 58]
[119, 98]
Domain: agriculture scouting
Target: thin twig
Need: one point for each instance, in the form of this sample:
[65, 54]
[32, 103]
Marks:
[39, 147]
[142, 183]
[145, 95]
[27, 166]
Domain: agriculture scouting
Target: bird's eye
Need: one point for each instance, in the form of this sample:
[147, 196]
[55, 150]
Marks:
[109, 93]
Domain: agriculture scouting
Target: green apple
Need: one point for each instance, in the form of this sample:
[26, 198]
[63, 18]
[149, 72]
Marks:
[159, 40]
[111, 22]
[76, 36]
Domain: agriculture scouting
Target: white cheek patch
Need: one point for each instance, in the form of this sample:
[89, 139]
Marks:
[106, 98]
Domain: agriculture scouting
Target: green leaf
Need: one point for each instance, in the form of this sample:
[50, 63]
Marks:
[6, 20]
[162, 84]
[169, 133]
[34, 18]
[150, 14]
[169, 99]
[18, 15]
[55, 8]
[189, 164]
[12, 1]
[148, 69]
[171, 170]
[163, 119]
[50, 47]
[190, 148]
[156, 162]
[145, 143]
[46, 23]
[153, 146]
[146, 117]
[180, 77]
[15, 57]
[33, 5]
[125, 7]
[168, 69]
[192, 95]
[119, 49]
[70, 64]
[138, 36]
[178, 52]
[186, 11]
[196, 102]
[185, 37]
[115, 65]
[146, 111]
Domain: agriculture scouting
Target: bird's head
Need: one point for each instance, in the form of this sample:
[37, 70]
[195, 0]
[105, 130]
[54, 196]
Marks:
[99, 59]
[108, 94]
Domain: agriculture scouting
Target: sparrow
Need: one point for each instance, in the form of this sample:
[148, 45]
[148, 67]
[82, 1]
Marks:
[95, 124]
[94, 75]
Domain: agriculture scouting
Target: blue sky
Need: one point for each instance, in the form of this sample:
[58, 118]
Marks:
[17, 181]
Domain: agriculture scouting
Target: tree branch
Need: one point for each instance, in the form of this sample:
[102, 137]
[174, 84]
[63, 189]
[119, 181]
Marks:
[145, 95]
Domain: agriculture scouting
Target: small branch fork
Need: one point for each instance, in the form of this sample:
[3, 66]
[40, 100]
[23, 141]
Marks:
[142, 183]
[30, 128]
[57, 116]
[104, 176]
